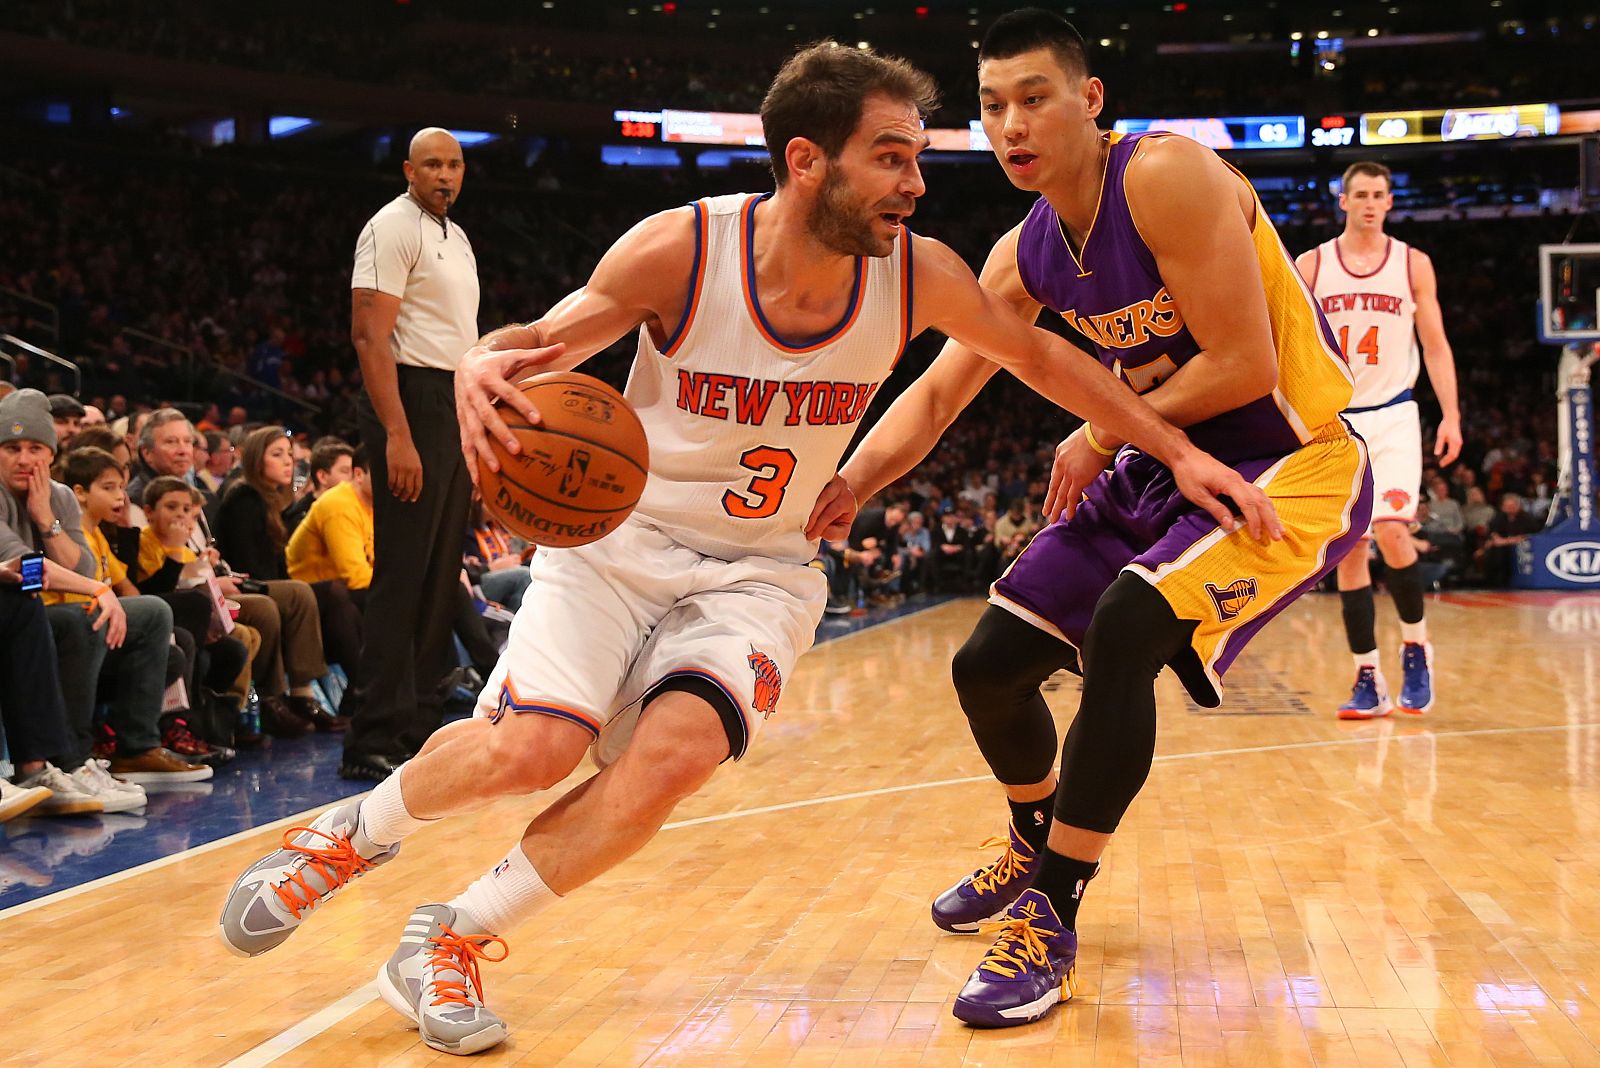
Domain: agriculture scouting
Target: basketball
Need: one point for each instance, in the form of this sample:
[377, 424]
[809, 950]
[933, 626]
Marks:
[580, 471]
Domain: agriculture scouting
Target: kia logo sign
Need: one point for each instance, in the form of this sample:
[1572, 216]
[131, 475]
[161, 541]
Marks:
[1576, 561]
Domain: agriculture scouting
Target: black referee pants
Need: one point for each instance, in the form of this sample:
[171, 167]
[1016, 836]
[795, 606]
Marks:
[406, 650]
[31, 707]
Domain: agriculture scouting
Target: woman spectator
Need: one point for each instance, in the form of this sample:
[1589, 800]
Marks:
[251, 537]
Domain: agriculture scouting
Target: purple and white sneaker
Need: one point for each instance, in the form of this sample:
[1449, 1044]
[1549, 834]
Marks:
[987, 892]
[1026, 973]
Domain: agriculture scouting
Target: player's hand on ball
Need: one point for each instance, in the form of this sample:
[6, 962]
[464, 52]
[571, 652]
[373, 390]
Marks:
[487, 375]
[1076, 465]
[1447, 444]
[835, 510]
[1203, 480]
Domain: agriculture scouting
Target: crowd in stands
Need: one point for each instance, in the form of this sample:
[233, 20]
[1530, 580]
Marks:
[614, 60]
[203, 589]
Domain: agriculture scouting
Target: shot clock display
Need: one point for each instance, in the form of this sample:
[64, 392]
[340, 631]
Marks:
[1335, 131]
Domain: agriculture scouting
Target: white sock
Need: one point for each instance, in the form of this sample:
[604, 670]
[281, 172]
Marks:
[384, 816]
[1414, 632]
[1366, 659]
[508, 894]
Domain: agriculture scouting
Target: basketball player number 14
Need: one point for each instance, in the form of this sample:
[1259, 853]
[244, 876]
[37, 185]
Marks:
[774, 468]
[1368, 346]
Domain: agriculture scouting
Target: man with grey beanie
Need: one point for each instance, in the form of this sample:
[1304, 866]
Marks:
[128, 635]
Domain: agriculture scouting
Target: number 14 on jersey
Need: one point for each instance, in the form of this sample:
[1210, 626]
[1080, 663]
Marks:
[1367, 346]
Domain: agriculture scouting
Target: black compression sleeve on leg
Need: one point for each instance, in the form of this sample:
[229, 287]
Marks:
[1107, 754]
[998, 673]
[1359, 619]
[1405, 586]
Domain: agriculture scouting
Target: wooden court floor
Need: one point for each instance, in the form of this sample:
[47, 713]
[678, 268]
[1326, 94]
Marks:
[1287, 890]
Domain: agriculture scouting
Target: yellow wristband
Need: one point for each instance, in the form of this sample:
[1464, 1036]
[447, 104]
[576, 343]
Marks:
[1094, 443]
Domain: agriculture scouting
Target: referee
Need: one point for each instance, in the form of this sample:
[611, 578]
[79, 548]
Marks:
[414, 312]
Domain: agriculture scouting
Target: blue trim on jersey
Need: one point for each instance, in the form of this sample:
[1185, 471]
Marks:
[694, 278]
[755, 296]
[909, 269]
[511, 704]
[1398, 398]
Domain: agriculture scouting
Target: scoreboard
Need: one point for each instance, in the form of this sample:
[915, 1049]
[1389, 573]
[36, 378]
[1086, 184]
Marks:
[1246, 132]
[1224, 133]
[1460, 124]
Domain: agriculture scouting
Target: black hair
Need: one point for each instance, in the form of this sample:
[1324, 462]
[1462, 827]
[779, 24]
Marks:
[1032, 28]
[85, 466]
[820, 91]
[326, 453]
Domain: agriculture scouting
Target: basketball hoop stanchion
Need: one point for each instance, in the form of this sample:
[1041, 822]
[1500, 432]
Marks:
[1566, 554]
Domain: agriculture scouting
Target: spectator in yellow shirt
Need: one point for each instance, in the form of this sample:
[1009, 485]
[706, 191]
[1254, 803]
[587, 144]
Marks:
[170, 505]
[333, 544]
[334, 541]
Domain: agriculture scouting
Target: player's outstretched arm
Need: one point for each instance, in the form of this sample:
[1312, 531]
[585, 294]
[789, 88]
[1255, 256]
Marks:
[916, 420]
[1436, 353]
[644, 277]
[985, 323]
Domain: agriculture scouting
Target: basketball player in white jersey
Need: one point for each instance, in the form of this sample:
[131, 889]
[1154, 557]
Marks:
[766, 324]
[1380, 296]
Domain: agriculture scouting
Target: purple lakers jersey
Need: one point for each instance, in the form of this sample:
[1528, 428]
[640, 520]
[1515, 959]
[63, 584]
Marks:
[1111, 292]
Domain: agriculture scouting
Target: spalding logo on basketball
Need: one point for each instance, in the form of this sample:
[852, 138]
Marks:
[584, 402]
[580, 471]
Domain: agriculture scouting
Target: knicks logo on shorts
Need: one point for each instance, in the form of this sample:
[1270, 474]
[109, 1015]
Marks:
[1397, 499]
[1231, 599]
[769, 684]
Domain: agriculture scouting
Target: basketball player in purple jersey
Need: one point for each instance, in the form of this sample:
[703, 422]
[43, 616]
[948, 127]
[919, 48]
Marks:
[1380, 296]
[1160, 254]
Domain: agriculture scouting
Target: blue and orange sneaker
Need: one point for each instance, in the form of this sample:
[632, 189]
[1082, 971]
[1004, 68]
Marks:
[1416, 683]
[1027, 972]
[987, 892]
[1369, 697]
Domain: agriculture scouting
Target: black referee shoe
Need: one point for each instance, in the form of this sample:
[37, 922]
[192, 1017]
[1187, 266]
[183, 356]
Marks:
[366, 767]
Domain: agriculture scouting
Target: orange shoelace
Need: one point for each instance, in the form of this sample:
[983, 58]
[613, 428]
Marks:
[457, 953]
[337, 865]
[1003, 870]
[1019, 945]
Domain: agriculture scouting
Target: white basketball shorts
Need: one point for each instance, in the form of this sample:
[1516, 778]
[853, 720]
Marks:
[1394, 444]
[604, 626]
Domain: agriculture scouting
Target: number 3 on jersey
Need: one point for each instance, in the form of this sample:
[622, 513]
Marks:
[774, 468]
[1367, 347]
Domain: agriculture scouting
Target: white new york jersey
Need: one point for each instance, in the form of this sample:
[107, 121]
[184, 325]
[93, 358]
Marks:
[745, 428]
[1374, 317]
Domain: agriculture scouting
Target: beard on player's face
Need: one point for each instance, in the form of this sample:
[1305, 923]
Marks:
[844, 222]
